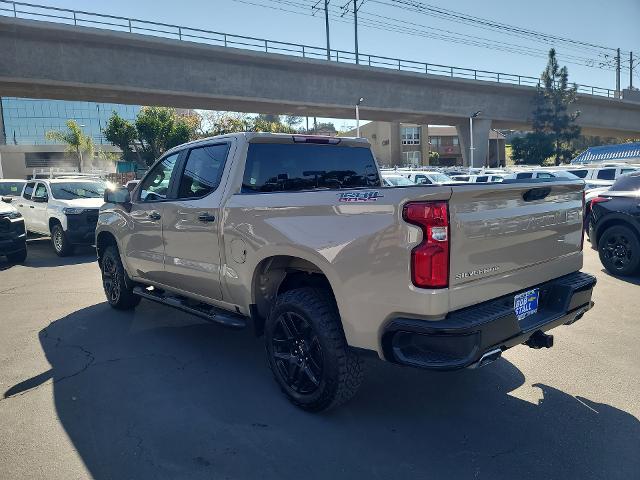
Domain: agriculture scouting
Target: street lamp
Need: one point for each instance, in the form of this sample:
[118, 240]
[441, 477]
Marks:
[471, 148]
[358, 116]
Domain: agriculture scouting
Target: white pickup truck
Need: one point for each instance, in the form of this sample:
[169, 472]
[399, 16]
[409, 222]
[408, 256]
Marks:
[298, 237]
[66, 209]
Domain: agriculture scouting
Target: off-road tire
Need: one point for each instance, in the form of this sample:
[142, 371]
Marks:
[18, 257]
[117, 287]
[341, 372]
[619, 250]
[61, 244]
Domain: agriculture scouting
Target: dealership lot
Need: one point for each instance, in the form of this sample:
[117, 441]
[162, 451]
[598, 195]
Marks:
[88, 392]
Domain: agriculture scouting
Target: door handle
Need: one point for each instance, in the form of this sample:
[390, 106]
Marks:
[206, 217]
[31, 206]
[20, 205]
[154, 216]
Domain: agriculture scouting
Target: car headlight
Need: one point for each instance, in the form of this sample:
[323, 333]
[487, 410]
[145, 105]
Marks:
[72, 211]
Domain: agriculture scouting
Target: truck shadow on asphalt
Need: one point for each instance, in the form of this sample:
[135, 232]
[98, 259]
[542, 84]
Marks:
[40, 254]
[156, 394]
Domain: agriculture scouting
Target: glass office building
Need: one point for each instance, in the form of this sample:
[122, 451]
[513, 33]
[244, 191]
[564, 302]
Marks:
[27, 120]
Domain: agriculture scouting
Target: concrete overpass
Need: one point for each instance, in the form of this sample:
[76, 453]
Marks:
[50, 60]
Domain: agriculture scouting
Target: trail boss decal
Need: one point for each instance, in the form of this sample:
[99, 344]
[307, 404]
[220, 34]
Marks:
[370, 196]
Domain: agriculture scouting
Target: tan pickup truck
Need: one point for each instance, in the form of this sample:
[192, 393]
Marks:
[296, 237]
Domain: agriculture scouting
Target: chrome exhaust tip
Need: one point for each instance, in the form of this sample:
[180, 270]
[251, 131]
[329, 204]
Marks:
[487, 358]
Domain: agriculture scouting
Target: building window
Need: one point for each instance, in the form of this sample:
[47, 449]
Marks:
[435, 141]
[413, 158]
[410, 135]
[455, 140]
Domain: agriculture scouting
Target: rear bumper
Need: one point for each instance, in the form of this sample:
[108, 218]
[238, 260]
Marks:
[464, 336]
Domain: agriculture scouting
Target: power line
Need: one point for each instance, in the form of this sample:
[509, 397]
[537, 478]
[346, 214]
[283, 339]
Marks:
[372, 20]
[480, 22]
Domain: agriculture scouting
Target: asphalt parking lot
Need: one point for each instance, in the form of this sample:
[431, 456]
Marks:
[88, 392]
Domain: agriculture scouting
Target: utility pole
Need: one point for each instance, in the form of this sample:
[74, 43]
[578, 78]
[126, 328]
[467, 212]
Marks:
[355, 25]
[630, 70]
[618, 73]
[326, 26]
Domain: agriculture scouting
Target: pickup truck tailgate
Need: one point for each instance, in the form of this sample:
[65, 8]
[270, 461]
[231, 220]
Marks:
[510, 228]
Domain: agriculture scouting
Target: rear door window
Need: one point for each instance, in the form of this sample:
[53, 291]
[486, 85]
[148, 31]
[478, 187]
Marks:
[28, 190]
[203, 170]
[524, 175]
[482, 178]
[580, 173]
[287, 167]
[607, 174]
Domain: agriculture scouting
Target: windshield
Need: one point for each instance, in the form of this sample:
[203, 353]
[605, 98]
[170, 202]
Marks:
[398, 181]
[563, 174]
[627, 183]
[75, 190]
[440, 177]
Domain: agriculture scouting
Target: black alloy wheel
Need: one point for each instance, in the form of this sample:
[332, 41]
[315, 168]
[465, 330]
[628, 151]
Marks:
[297, 353]
[619, 250]
[308, 352]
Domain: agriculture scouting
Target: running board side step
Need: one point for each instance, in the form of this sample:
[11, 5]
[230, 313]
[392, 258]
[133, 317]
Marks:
[209, 313]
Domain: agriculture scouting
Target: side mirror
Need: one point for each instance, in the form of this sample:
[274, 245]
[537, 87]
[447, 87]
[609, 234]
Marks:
[7, 199]
[119, 196]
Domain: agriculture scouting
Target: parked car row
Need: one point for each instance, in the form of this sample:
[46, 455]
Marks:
[66, 209]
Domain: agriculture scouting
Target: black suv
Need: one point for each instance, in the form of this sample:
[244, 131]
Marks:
[614, 225]
[13, 237]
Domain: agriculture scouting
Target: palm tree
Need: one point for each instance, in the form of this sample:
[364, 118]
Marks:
[77, 142]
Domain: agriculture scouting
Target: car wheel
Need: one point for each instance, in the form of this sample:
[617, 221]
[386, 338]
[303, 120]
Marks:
[308, 353]
[117, 287]
[619, 249]
[18, 257]
[60, 242]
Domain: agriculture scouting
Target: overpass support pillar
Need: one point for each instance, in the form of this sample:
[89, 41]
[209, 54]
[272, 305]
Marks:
[396, 144]
[481, 128]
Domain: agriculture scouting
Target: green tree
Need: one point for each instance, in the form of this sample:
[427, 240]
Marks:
[123, 135]
[77, 142]
[531, 149]
[292, 121]
[156, 130]
[554, 125]
[552, 120]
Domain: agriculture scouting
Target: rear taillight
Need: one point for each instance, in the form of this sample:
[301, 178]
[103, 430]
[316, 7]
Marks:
[430, 259]
[598, 200]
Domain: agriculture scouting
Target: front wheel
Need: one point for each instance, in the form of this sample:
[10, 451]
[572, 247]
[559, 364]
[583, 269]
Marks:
[619, 249]
[61, 244]
[308, 353]
[118, 290]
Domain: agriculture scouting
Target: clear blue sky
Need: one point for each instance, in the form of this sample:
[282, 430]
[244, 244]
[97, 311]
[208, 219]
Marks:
[611, 24]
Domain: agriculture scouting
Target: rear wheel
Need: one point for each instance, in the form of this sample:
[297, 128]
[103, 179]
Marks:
[619, 249]
[60, 242]
[308, 353]
[117, 287]
[18, 257]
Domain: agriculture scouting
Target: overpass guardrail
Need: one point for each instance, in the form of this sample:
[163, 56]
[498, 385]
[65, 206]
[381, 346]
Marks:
[30, 11]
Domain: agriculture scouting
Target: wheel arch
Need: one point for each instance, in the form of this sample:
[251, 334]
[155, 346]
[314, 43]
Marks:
[103, 240]
[277, 274]
[613, 221]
